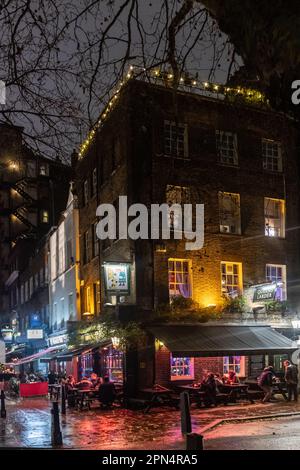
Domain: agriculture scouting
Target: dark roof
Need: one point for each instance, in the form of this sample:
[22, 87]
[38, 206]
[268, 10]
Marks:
[67, 354]
[211, 340]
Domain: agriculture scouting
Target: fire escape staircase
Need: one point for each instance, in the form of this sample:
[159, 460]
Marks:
[21, 212]
[19, 187]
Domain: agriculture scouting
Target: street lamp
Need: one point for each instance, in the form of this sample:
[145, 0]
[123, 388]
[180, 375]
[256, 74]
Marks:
[115, 342]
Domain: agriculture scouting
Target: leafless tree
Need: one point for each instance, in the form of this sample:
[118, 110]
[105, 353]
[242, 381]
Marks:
[61, 60]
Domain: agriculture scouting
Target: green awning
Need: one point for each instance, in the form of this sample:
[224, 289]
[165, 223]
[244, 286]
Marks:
[222, 340]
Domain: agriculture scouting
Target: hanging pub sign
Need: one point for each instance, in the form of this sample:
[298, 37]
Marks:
[117, 278]
[264, 292]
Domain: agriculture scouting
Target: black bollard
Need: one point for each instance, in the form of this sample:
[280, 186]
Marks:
[186, 424]
[56, 436]
[3, 410]
[63, 399]
[194, 441]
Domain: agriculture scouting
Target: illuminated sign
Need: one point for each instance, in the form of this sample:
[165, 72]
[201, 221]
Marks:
[35, 321]
[264, 292]
[117, 278]
[7, 334]
[35, 334]
[55, 340]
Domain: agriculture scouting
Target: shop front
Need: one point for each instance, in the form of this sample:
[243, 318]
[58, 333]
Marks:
[185, 354]
[102, 358]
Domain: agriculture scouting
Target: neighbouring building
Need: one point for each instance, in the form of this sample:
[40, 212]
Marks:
[238, 159]
[33, 192]
[64, 281]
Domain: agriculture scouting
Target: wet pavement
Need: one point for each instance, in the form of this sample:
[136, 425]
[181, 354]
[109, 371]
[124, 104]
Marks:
[28, 424]
[274, 434]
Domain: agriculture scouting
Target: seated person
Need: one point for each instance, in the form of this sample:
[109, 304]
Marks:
[70, 382]
[96, 381]
[107, 392]
[208, 385]
[233, 378]
[84, 384]
[219, 382]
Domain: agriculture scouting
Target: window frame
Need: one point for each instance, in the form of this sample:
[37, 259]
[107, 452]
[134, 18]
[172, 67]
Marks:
[177, 155]
[182, 272]
[239, 274]
[86, 246]
[281, 218]
[242, 364]
[191, 376]
[85, 191]
[45, 216]
[221, 198]
[95, 240]
[283, 278]
[271, 158]
[219, 134]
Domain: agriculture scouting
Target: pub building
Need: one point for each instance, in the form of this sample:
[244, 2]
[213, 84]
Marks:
[239, 159]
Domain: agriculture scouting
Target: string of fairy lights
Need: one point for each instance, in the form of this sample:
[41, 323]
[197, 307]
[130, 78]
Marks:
[248, 95]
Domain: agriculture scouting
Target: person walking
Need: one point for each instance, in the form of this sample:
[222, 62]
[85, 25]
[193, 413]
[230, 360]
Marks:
[265, 381]
[291, 378]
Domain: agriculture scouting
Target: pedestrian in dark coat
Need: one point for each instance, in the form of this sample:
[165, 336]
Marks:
[291, 378]
[265, 381]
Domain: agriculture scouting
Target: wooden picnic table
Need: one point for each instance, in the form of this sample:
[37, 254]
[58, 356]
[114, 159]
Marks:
[84, 396]
[159, 396]
[236, 390]
[278, 387]
[194, 391]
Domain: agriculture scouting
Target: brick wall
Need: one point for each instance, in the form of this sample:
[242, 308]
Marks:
[202, 365]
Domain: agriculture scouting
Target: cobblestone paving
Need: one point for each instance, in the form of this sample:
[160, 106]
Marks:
[28, 424]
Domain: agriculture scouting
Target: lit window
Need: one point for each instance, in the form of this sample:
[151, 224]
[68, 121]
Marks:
[45, 217]
[231, 274]
[272, 155]
[182, 368]
[88, 300]
[230, 213]
[175, 140]
[176, 195]
[226, 143]
[234, 363]
[274, 217]
[277, 273]
[179, 278]
[44, 169]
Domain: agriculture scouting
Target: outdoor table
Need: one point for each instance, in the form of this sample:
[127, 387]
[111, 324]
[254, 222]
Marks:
[234, 389]
[194, 391]
[83, 396]
[279, 387]
[158, 396]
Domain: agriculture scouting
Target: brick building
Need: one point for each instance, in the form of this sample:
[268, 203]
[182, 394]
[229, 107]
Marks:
[157, 146]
